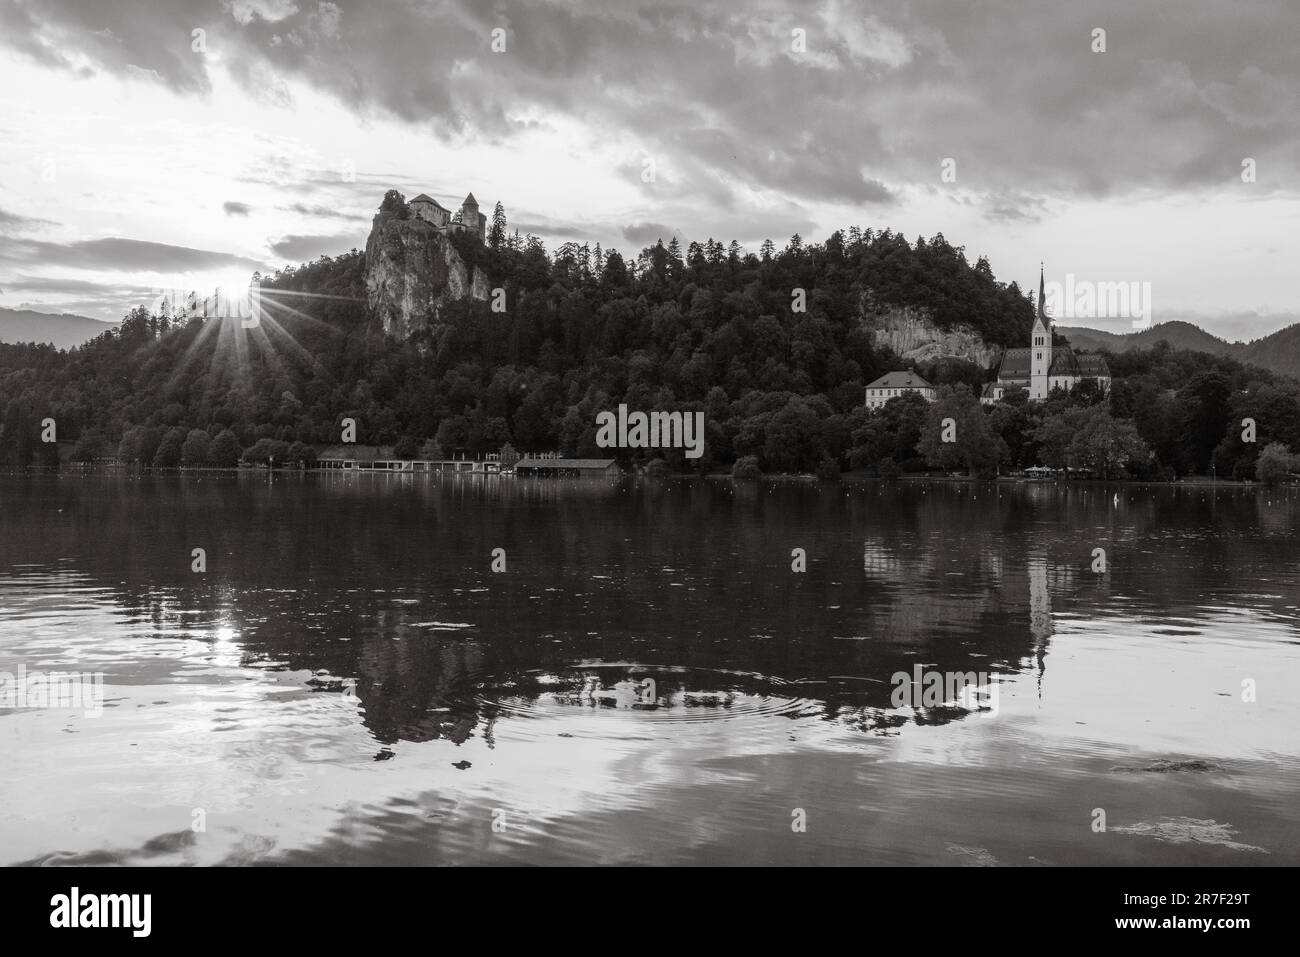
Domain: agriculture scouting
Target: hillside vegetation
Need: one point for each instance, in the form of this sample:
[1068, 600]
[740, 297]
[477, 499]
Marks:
[709, 328]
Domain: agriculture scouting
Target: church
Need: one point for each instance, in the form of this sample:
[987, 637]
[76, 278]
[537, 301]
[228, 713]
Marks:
[1043, 367]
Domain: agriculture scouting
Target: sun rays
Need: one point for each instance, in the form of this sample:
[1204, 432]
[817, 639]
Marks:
[234, 328]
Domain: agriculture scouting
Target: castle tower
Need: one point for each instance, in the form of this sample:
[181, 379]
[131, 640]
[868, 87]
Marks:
[1040, 346]
[470, 216]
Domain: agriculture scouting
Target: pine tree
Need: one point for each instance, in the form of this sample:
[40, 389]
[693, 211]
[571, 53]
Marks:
[497, 234]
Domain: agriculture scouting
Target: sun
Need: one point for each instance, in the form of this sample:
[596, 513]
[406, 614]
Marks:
[231, 295]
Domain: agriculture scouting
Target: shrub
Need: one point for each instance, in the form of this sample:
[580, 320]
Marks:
[746, 467]
[196, 449]
[224, 450]
[1275, 464]
[168, 455]
[395, 202]
[301, 453]
[264, 450]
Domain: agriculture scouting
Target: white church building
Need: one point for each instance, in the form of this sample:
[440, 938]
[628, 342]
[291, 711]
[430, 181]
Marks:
[1043, 367]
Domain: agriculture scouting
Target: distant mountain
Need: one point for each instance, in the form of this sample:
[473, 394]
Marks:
[1179, 335]
[62, 331]
[1277, 352]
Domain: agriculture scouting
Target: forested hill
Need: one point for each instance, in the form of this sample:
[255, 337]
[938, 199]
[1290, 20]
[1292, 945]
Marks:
[582, 329]
[1179, 335]
[1278, 351]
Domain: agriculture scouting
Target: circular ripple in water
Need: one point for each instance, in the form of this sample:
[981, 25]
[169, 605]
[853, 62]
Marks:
[646, 692]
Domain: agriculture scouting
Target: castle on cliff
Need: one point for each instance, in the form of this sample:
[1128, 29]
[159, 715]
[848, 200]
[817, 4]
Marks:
[467, 219]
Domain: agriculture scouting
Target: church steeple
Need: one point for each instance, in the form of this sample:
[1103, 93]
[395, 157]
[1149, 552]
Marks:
[1042, 313]
[1040, 344]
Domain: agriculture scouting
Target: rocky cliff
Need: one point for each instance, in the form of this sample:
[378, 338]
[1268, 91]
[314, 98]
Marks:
[412, 270]
[911, 334]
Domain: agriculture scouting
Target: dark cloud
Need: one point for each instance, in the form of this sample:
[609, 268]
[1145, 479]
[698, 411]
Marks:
[1015, 208]
[122, 254]
[647, 234]
[553, 229]
[12, 222]
[236, 209]
[121, 36]
[716, 95]
[325, 212]
[65, 286]
[307, 248]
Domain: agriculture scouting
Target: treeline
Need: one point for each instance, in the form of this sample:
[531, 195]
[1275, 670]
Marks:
[1169, 414]
[710, 327]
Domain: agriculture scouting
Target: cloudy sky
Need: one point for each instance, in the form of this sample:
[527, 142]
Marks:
[138, 154]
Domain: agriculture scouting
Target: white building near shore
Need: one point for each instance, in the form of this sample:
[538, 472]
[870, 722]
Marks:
[893, 384]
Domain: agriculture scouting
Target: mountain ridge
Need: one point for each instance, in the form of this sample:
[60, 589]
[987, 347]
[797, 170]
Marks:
[61, 330]
[1278, 351]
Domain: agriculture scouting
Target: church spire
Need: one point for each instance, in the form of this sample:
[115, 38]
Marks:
[1042, 313]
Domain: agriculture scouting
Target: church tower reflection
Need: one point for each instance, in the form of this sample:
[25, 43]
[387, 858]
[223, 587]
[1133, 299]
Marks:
[1040, 613]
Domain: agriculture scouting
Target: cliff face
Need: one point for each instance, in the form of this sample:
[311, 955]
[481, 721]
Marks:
[910, 333]
[412, 270]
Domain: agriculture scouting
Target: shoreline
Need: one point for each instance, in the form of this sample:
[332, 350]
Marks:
[848, 478]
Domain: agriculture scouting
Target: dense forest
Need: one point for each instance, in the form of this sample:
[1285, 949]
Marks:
[712, 328]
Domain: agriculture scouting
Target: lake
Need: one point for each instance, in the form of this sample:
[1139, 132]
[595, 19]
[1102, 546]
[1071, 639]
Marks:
[648, 680]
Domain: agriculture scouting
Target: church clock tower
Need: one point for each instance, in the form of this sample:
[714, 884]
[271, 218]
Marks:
[1040, 347]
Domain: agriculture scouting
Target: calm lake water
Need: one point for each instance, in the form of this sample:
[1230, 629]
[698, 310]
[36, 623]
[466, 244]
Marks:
[648, 681]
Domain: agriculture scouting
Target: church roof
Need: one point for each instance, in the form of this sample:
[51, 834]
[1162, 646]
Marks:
[470, 200]
[1093, 366]
[899, 380]
[1015, 364]
[1064, 362]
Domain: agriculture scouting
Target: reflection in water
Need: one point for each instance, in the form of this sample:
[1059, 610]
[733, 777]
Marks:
[350, 682]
